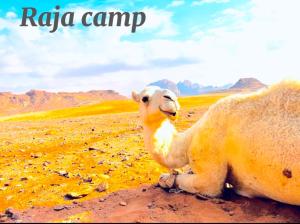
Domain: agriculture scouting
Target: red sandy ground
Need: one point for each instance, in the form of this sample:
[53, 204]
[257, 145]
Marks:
[152, 204]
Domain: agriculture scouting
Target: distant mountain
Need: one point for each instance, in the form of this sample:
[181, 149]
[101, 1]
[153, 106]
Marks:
[38, 100]
[166, 84]
[248, 84]
[187, 88]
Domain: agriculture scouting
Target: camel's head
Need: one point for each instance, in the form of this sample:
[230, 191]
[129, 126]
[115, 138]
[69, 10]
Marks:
[157, 104]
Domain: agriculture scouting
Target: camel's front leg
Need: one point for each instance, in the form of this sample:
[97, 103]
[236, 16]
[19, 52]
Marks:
[194, 183]
[200, 184]
[167, 180]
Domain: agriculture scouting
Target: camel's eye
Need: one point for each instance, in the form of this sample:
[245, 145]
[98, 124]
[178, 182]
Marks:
[145, 99]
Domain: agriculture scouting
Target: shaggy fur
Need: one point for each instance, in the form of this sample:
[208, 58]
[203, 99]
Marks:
[249, 140]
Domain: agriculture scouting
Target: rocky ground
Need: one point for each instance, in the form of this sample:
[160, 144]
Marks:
[42, 161]
[90, 168]
[152, 204]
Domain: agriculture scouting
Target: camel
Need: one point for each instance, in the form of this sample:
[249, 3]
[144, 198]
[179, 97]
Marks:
[251, 141]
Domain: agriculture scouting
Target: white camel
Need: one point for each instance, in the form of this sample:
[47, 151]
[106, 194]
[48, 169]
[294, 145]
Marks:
[251, 141]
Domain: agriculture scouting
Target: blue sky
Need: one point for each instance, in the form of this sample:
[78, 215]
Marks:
[186, 15]
[212, 42]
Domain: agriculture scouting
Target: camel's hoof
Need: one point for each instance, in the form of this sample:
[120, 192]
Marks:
[167, 180]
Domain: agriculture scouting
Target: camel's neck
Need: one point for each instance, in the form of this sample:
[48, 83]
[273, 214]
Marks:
[167, 146]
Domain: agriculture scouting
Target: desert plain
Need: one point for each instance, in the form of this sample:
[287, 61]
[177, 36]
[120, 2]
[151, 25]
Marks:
[74, 156]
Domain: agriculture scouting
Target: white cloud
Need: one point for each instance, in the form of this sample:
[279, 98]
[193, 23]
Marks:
[234, 13]
[43, 55]
[202, 2]
[176, 3]
[160, 20]
[11, 15]
[263, 43]
[260, 41]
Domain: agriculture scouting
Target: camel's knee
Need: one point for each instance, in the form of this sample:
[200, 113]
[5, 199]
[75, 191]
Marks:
[204, 184]
[194, 183]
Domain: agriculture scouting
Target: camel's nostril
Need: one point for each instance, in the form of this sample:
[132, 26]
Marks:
[174, 114]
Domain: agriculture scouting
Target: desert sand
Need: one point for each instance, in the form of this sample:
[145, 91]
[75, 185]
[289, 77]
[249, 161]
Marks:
[89, 164]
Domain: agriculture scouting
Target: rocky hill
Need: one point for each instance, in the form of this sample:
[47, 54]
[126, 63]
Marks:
[188, 88]
[167, 84]
[248, 84]
[37, 100]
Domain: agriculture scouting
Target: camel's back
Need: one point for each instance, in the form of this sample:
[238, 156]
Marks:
[270, 118]
[282, 99]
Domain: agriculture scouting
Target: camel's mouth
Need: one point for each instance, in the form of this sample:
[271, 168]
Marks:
[172, 115]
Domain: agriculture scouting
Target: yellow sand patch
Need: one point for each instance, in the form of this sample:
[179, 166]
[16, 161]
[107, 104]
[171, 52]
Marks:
[108, 107]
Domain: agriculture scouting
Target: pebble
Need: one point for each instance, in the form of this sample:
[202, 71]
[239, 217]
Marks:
[151, 205]
[173, 207]
[87, 180]
[123, 203]
[73, 195]
[102, 187]
[124, 159]
[35, 156]
[63, 173]
[9, 212]
[46, 163]
[59, 208]
[101, 162]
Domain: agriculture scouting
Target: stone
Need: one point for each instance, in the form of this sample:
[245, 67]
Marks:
[74, 195]
[59, 208]
[102, 187]
[123, 203]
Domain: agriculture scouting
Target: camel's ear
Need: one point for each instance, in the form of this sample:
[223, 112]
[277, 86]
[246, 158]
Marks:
[135, 96]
